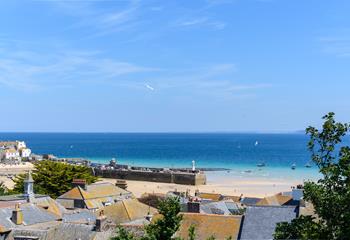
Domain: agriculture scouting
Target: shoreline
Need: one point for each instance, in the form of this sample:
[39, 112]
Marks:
[256, 183]
[233, 187]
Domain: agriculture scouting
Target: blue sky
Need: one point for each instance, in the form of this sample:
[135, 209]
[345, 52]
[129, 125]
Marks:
[160, 66]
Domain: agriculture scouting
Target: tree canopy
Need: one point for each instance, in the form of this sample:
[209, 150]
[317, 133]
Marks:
[162, 228]
[165, 227]
[54, 178]
[330, 195]
[3, 189]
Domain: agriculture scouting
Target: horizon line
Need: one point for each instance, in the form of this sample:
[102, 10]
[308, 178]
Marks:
[159, 132]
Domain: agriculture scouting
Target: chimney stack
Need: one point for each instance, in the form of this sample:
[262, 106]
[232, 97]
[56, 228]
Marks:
[17, 215]
[297, 194]
[121, 184]
[101, 222]
[79, 183]
[193, 207]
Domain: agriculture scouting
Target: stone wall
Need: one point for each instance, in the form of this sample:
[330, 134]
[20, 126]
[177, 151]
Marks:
[165, 177]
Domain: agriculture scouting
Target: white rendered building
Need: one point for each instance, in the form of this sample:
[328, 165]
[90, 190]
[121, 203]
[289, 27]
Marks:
[11, 153]
[25, 152]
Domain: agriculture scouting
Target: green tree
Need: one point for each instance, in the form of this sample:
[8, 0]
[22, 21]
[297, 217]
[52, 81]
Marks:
[192, 233]
[3, 189]
[123, 234]
[165, 227]
[54, 178]
[330, 195]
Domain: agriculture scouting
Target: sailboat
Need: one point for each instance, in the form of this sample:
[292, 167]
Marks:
[293, 167]
[256, 143]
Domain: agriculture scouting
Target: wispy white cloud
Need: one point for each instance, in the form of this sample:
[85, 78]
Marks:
[203, 16]
[193, 22]
[338, 46]
[216, 80]
[101, 21]
[26, 70]
[200, 22]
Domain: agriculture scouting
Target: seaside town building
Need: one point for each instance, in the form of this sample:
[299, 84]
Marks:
[14, 151]
[93, 211]
[93, 197]
[129, 211]
[260, 221]
[35, 216]
[10, 154]
[207, 225]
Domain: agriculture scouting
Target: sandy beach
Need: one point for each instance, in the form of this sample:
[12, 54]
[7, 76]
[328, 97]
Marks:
[8, 171]
[247, 187]
[220, 182]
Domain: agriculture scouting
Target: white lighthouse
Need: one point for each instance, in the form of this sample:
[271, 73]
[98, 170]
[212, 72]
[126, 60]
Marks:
[193, 165]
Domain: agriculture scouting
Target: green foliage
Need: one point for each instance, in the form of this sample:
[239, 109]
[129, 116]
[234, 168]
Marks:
[151, 200]
[330, 196]
[192, 233]
[3, 189]
[211, 238]
[165, 227]
[123, 234]
[54, 178]
[303, 227]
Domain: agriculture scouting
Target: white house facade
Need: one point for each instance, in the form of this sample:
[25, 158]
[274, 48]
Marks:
[25, 152]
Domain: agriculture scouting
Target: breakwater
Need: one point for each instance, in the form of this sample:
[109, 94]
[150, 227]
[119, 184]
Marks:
[173, 175]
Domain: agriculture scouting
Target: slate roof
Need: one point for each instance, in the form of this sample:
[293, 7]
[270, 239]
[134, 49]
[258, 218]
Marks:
[207, 225]
[221, 207]
[50, 205]
[260, 221]
[95, 195]
[68, 231]
[40, 200]
[18, 197]
[81, 216]
[210, 196]
[250, 200]
[59, 230]
[32, 214]
[275, 200]
[128, 210]
[233, 198]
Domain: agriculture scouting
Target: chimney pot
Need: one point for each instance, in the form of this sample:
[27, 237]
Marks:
[17, 215]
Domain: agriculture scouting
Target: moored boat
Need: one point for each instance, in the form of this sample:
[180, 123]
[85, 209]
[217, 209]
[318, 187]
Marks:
[261, 164]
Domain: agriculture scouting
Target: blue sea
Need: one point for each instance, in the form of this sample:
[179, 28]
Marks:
[238, 152]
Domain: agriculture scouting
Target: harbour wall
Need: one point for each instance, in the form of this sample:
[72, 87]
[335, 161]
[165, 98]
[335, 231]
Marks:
[165, 177]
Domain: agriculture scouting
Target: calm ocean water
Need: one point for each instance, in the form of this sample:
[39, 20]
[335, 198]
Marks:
[239, 152]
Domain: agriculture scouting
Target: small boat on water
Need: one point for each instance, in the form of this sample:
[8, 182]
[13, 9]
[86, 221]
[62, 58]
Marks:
[294, 166]
[247, 171]
[308, 165]
[256, 143]
[261, 164]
